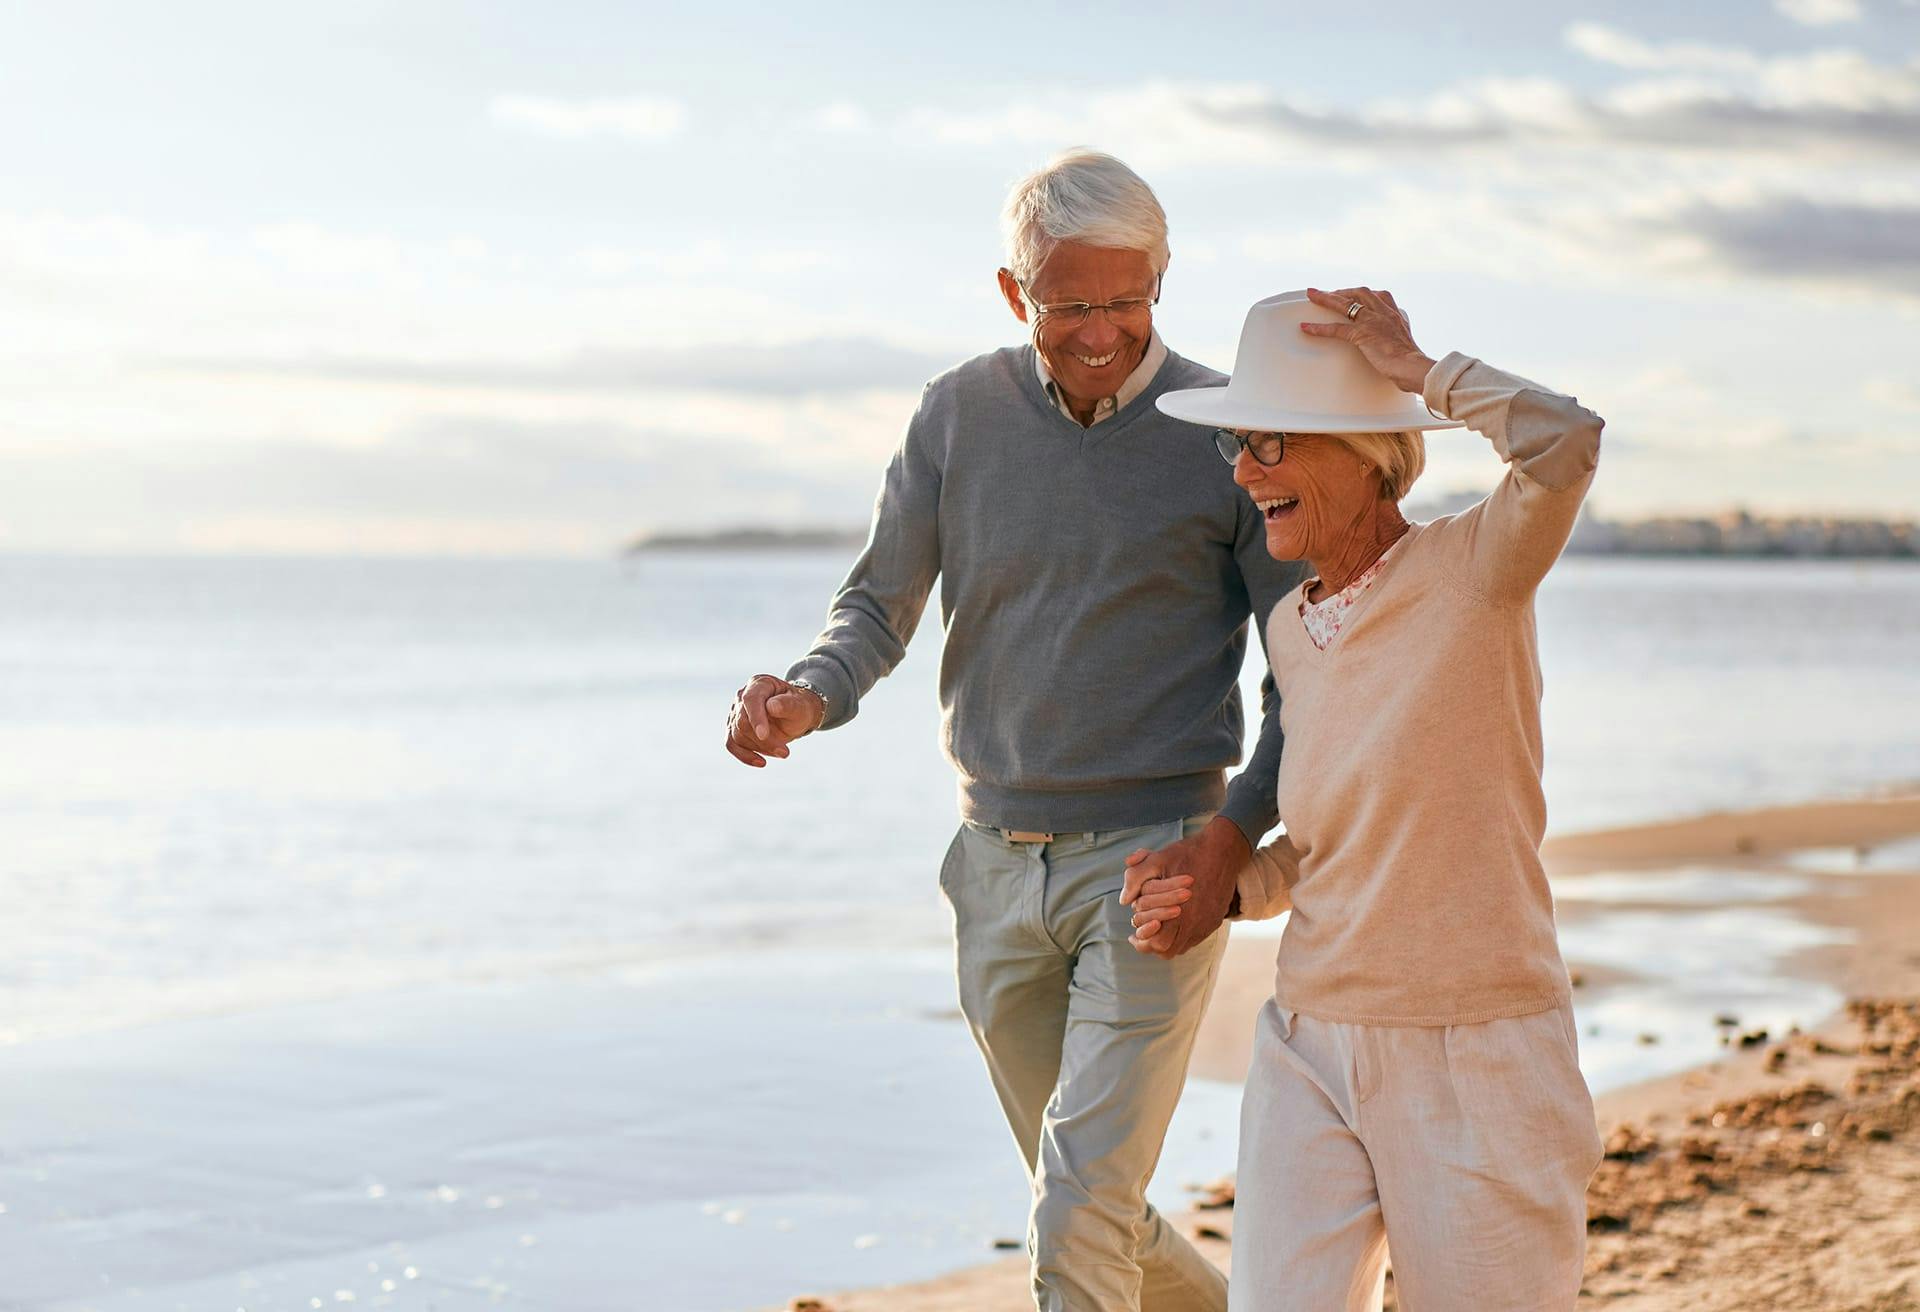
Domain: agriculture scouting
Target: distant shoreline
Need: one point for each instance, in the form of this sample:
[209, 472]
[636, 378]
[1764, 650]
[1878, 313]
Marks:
[746, 540]
[1730, 537]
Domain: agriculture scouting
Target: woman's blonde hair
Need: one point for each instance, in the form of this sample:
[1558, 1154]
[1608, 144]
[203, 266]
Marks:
[1399, 457]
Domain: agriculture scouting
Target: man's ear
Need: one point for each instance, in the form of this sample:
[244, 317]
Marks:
[1011, 290]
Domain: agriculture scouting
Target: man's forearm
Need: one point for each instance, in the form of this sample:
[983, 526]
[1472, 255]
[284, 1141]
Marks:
[879, 604]
[1231, 841]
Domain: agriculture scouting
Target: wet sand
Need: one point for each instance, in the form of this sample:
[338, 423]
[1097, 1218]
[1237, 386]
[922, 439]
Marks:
[1866, 822]
[1785, 1173]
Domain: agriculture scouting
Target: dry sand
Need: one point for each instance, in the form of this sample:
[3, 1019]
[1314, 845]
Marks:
[1786, 1175]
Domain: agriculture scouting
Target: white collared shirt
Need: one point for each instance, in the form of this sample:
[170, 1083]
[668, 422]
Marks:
[1130, 387]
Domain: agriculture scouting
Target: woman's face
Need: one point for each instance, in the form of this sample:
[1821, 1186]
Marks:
[1313, 501]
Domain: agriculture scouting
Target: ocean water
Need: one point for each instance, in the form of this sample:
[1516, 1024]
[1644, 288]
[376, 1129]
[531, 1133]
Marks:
[230, 781]
[238, 796]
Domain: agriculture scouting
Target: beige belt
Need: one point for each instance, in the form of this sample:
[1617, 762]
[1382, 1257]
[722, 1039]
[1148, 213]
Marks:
[1025, 836]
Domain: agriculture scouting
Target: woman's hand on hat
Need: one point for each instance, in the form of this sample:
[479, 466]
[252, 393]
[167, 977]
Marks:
[1379, 329]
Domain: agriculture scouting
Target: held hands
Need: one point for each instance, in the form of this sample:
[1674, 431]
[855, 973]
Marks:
[768, 714]
[1182, 892]
[1380, 330]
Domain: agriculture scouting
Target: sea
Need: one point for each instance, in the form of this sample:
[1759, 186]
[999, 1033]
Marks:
[409, 915]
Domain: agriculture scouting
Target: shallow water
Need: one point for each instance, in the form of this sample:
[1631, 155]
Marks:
[1681, 886]
[1689, 966]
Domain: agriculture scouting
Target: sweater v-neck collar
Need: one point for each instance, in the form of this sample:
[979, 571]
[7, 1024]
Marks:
[1288, 611]
[1123, 418]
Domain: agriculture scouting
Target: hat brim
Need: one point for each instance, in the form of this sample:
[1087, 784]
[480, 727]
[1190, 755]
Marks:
[1217, 407]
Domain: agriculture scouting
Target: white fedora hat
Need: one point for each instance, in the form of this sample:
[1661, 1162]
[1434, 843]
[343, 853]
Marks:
[1286, 381]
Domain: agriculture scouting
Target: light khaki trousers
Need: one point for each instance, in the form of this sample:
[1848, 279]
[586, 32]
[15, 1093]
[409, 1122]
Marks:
[1087, 1042]
[1466, 1148]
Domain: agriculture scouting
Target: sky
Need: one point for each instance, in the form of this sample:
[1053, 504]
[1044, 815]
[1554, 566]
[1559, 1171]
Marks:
[505, 279]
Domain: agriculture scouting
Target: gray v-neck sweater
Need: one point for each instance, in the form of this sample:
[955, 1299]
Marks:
[1095, 587]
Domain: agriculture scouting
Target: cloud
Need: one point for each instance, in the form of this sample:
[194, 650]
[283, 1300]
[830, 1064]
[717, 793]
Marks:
[1155, 124]
[1876, 247]
[814, 366]
[1595, 234]
[1705, 98]
[701, 259]
[1819, 13]
[1719, 161]
[310, 249]
[1707, 161]
[1895, 394]
[704, 259]
[1611, 46]
[1825, 99]
[117, 286]
[843, 116]
[1673, 408]
[645, 118]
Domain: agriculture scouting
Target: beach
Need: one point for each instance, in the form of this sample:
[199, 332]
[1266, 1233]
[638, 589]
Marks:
[1782, 1171]
[396, 933]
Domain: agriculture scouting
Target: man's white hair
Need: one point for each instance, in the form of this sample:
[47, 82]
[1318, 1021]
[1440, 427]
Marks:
[1085, 196]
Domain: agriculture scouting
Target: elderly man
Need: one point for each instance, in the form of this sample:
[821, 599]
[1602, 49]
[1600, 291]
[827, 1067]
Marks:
[1098, 568]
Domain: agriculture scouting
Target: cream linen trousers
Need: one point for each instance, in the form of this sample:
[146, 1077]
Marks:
[1087, 1042]
[1466, 1147]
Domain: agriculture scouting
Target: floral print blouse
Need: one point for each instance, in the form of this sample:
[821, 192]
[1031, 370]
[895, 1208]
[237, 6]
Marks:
[1325, 618]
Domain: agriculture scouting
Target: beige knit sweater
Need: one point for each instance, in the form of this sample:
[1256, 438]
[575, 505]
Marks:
[1410, 781]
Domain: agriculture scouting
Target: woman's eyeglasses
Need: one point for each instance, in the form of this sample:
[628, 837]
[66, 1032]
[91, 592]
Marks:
[1267, 448]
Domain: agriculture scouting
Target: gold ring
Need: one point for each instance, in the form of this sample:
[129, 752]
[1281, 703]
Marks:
[1353, 311]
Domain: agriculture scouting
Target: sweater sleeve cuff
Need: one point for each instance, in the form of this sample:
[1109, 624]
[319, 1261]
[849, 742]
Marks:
[1440, 380]
[1264, 884]
[1244, 807]
[830, 679]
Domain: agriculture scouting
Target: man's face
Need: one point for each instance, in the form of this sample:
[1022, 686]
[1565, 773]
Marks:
[1089, 360]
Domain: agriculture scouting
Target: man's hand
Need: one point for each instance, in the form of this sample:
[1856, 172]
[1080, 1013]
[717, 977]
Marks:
[1182, 892]
[768, 714]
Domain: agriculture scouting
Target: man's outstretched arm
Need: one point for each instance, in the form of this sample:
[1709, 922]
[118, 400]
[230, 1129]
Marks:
[872, 618]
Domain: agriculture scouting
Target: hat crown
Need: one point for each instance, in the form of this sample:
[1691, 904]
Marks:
[1281, 367]
[1284, 380]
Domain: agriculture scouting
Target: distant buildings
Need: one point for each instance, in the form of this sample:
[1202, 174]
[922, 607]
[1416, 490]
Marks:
[1737, 533]
[1731, 533]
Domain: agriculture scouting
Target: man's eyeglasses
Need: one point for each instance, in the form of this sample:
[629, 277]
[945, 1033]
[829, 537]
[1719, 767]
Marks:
[1267, 448]
[1131, 311]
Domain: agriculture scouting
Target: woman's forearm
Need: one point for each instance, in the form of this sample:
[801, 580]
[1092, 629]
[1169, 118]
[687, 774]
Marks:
[1551, 438]
[1264, 883]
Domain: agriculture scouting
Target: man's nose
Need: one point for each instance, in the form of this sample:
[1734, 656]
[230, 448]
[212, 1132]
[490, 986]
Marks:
[1246, 470]
[1098, 335]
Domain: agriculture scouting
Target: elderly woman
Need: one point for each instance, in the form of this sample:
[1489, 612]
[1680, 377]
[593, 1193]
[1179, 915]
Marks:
[1415, 1081]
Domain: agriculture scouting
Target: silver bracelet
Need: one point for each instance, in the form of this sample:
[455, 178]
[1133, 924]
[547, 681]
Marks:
[826, 703]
